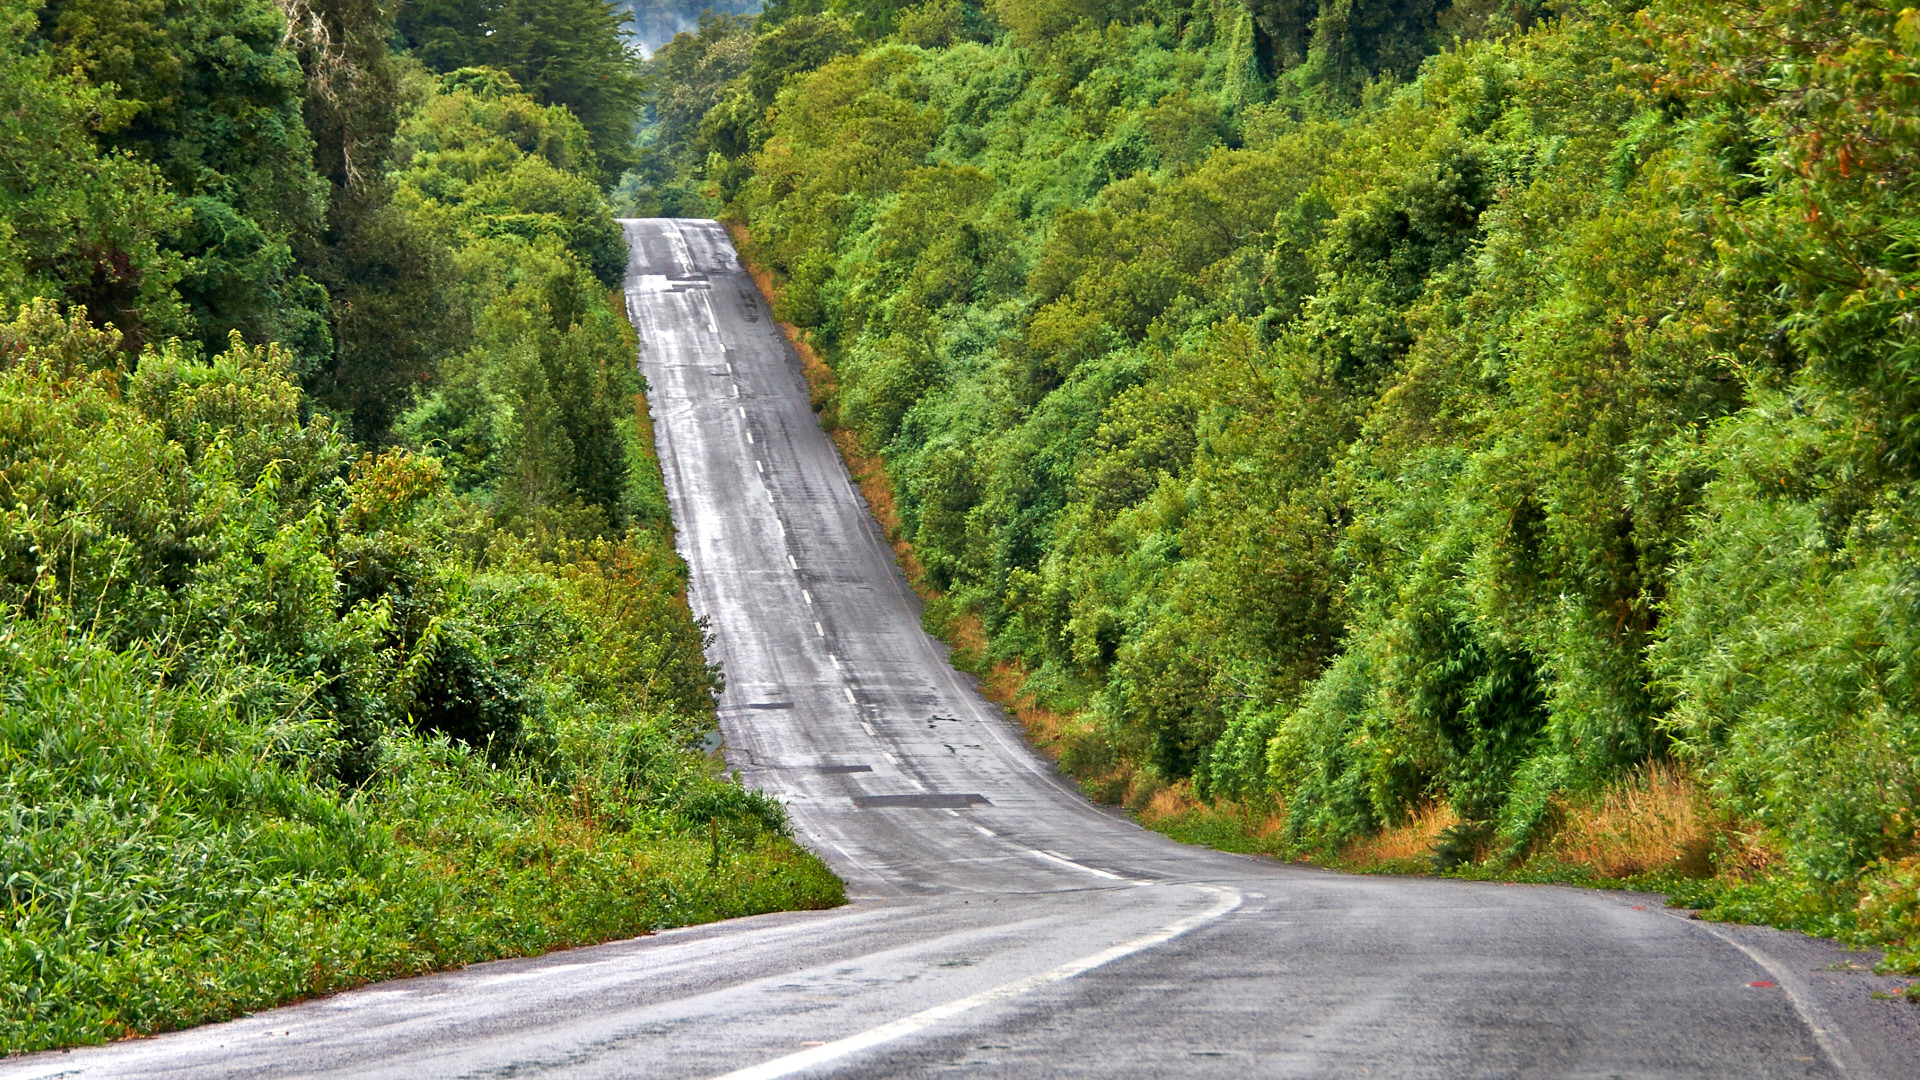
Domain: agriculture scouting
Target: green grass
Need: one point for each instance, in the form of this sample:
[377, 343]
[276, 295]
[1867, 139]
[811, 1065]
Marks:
[163, 868]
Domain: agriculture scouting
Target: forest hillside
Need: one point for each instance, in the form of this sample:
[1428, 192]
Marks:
[1394, 432]
[344, 636]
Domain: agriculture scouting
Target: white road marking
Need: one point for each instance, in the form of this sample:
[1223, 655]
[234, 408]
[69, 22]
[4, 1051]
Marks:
[736, 390]
[807, 596]
[1056, 857]
[869, 728]
[890, 757]
[761, 465]
[742, 410]
[820, 630]
[749, 438]
[791, 563]
[851, 700]
[686, 253]
[1832, 1041]
[1226, 900]
[985, 831]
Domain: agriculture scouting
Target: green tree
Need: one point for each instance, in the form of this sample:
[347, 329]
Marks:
[212, 97]
[77, 223]
[564, 52]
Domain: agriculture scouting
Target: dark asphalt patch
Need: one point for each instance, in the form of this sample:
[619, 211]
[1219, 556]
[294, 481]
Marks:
[929, 801]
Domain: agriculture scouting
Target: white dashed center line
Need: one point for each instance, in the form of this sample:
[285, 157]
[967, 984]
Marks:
[1056, 857]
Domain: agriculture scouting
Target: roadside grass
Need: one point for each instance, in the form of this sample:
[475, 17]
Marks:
[1655, 821]
[1401, 849]
[165, 867]
[1654, 830]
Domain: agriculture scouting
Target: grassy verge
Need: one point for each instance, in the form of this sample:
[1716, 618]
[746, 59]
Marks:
[1653, 831]
[165, 870]
[279, 717]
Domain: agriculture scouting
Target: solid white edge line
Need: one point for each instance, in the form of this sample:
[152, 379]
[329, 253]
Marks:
[1832, 1041]
[1226, 900]
[1056, 857]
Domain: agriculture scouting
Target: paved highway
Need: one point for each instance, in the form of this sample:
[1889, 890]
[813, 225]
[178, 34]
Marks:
[1000, 925]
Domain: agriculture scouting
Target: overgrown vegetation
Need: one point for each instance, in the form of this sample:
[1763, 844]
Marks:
[1494, 420]
[345, 636]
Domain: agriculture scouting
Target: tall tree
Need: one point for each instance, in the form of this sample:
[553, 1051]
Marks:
[386, 275]
[210, 95]
[563, 52]
[77, 224]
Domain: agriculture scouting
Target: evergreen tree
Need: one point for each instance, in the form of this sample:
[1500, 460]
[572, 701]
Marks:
[564, 52]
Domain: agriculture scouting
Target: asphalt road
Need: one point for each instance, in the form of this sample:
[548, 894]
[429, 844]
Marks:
[1001, 926]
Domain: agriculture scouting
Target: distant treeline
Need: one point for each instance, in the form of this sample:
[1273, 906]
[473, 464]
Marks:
[344, 635]
[655, 22]
[1362, 408]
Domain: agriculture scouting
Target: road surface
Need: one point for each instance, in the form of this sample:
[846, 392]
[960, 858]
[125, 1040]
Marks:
[1000, 925]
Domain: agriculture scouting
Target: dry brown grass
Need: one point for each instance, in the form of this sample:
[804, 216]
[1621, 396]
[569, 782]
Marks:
[1173, 809]
[1005, 683]
[1405, 843]
[1656, 819]
[1169, 802]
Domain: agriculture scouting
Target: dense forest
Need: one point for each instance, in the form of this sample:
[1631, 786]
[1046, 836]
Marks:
[1491, 423]
[654, 23]
[345, 636]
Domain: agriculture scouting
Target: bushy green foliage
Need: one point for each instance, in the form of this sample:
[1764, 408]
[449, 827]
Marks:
[537, 414]
[345, 636]
[1361, 406]
[282, 717]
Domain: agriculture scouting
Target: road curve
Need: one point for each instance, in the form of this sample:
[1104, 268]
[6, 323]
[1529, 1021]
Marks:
[1000, 925]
